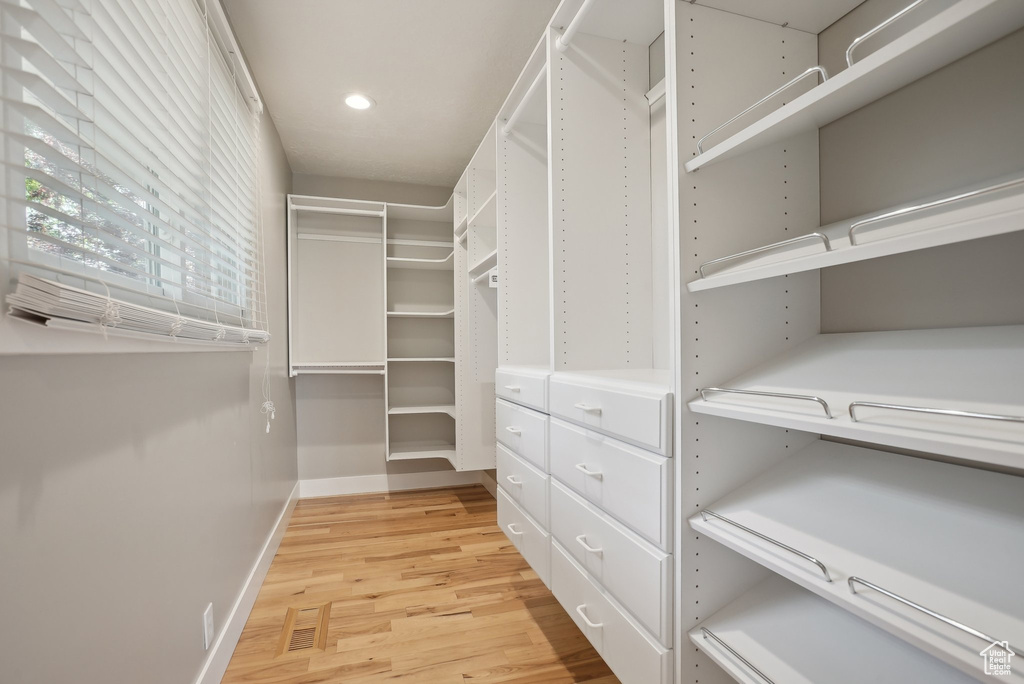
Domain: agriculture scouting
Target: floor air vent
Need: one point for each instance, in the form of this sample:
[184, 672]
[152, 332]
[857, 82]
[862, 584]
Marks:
[305, 629]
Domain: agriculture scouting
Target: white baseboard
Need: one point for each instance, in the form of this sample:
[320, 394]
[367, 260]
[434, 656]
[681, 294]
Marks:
[489, 483]
[364, 484]
[224, 645]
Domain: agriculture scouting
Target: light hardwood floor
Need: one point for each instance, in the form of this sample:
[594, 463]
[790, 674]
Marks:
[423, 587]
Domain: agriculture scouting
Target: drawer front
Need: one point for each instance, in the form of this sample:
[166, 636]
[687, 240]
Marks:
[531, 541]
[640, 418]
[522, 388]
[634, 656]
[523, 431]
[632, 485]
[636, 573]
[524, 484]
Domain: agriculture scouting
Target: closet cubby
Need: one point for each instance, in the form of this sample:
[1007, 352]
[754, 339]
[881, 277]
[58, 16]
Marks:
[804, 177]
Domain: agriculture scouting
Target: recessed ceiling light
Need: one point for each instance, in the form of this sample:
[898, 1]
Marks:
[357, 101]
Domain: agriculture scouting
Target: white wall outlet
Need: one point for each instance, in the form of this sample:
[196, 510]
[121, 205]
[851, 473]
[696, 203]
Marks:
[208, 626]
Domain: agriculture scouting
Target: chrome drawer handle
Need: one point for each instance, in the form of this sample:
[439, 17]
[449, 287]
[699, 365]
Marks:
[513, 388]
[582, 467]
[593, 625]
[582, 539]
[513, 480]
[511, 528]
[705, 632]
[588, 408]
[514, 430]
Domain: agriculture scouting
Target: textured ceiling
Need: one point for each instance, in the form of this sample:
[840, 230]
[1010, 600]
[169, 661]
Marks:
[438, 69]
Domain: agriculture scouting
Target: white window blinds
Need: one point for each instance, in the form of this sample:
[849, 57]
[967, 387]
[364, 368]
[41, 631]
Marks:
[130, 168]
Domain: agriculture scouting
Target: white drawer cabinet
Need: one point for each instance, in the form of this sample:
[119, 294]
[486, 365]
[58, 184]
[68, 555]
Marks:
[526, 386]
[637, 413]
[524, 431]
[633, 655]
[532, 542]
[631, 484]
[524, 484]
[636, 573]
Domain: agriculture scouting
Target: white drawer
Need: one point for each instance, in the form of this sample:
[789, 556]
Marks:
[633, 655]
[524, 484]
[636, 573]
[631, 484]
[522, 430]
[525, 386]
[530, 540]
[638, 414]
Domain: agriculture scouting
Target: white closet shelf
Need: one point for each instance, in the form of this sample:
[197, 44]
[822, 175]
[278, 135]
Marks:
[487, 215]
[859, 386]
[648, 378]
[793, 637]
[421, 410]
[945, 38]
[445, 264]
[484, 265]
[446, 313]
[423, 359]
[460, 230]
[411, 452]
[977, 211]
[338, 368]
[859, 522]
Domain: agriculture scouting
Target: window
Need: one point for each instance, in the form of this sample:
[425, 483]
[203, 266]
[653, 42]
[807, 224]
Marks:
[130, 167]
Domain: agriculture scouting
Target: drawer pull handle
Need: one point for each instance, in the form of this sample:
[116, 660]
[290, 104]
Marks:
[587, 408]
[514, 430]
[512, 528]
[582, 467]
[593, 625]
[582, 539]
[514, 481]
[513, 388]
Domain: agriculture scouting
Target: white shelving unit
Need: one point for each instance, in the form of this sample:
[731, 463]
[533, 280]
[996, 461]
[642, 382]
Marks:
[806, 559]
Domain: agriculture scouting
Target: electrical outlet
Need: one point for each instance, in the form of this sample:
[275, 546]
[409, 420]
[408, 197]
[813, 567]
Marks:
[208, 626]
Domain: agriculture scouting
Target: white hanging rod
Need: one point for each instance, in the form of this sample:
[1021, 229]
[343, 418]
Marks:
[563, 40]
[420, 243]
[338, 210]
[338, 238]
[512, 120]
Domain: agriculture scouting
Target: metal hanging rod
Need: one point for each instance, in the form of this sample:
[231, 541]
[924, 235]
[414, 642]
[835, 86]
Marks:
[705, 632]
[857, 41]
[929, 205]
[767, 248]
[810, 559]
[852, 581]
[812, 70]
[934, 411]
[780, 395]
[563, 40]
[512, 120]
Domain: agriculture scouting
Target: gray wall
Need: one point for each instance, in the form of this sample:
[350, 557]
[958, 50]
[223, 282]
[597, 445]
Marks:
[960, 125]
[341, 418]
[134, 490]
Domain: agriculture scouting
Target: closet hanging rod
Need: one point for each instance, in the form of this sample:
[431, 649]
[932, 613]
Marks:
[513, 119]
[567, 35]
[766, 248]
[853, 581]
[420, 243]
[812, 70]
[934, 411]
[810, 559]
[780, 395]
[705, 632]
[338, 238]
[929, 205]
[857, 41]
[338, 210]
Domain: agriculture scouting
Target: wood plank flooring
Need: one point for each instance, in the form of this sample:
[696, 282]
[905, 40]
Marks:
[423, 587]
